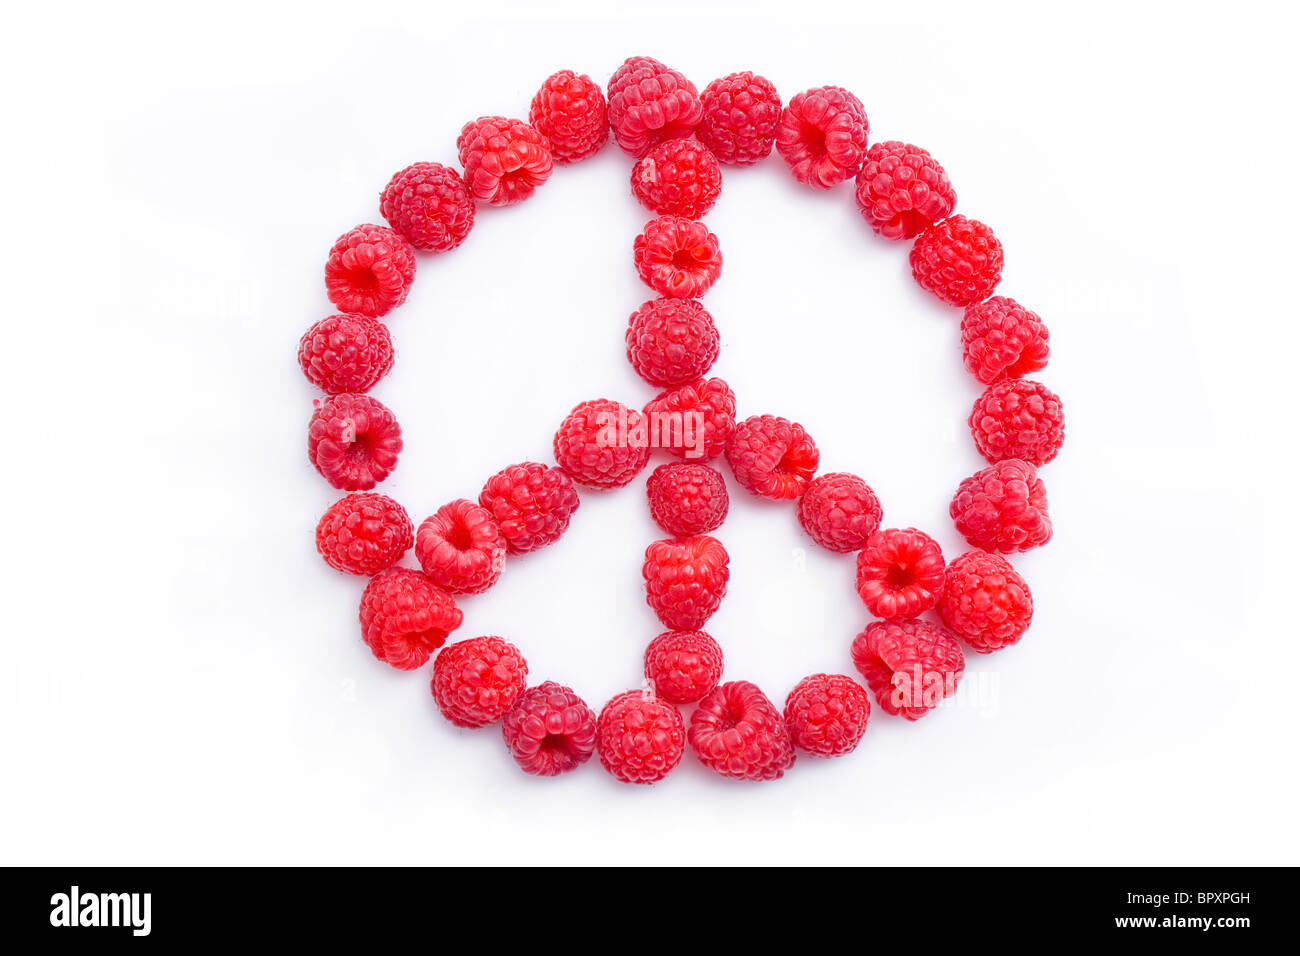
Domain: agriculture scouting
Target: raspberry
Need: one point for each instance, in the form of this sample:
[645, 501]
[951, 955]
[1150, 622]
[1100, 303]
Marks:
[639, 737]
[346, 353]
[353, 441]
[369, 271]
[985, 602]
[687, 499]
[504, 159]
[649, 103]
[461, 547]
[1000, 338]
[602, 443]
[685, 579]
[363, 533]
[671, 341]
[683, 666]
[569, 111]
[679, 177]
[911, 666]
[741, 112]
[405, 617]
[429, 205]
[532, 503]
[958, 259]
[677, 257]
[737, 732]
[1003, 508]
[839, 511]
[901, 190]
[476, 681]
[549, 730]
[900, 573]
[827, 714]
[1017, 418]
[823, 136]
[772, 457]
[707, 412]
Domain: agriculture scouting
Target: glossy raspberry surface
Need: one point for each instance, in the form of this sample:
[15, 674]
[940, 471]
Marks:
[685, 580]
[354, 441]
[475, 682]
[1017, 418]
[405, 617]
[737, 732]
[504, 159]
[827, 714]
[839, 511]
[649, 103]
[369, 271]
[822, 136]
[364, 533]
[570, 113]
[911, 666]
[429, 204]
[683, 666]
[741, 113]
[986, 602]
[901, 190]
[706, 410]
[532, 503]
[1003, 508]
[550, 730]
[639, 737]
[346, 353]
[461, 547]
[900, 573]
[671, 341]
[959, 260]
[687, 499]
[679, 177]
[1000, 338]
[772, 457]
[677, 257]
[602, 443]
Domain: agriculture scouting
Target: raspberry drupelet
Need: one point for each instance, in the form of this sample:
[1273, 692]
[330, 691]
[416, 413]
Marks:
[1000, 339]
[683, 666]
[1017, 418]
[346, 353]
[741, 113]
[901, 190]
[671, 341]
[911, 666]
[405, 617]
[959, 260]
[461, 547]
[822, 135]
[369, 271]
[737, 732]
[986, 602]
[827, 714]
[685, 580]
[687, 499]
[532, 503]
[649, 103]
[475, 682]
[707, 412]
[429, 204]
[900, 573]
[354, 441]
[602, 443]
[364, 533]
[677, 257]
[570, 113]
[505, 160]
[772, 457]
[550, 730]
[839, 511]
[1003, 508]
[679, 177]
[639, 737]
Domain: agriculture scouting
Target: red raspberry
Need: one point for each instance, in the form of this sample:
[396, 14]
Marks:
[639, 737]
[504, 159]
[679, 177]
[737, 732]
[958, 259]
[671, 341]
[827, 714]
[839, 511]
[683, 666]
[363, 533]
[911, 666]
[687, 499]
[677, 257]
[476, 681]
[461, 547]
[549, 730]
[1003, 508]
[602, 443]
[353, 441]
[772, 457]
[369, 271]
[706, 410]
[346, 353]
[901, 190]
[900, 573]
[405, 617]
[649, 103]
[429, 205]
[1017, 418]
[1000, 338]
[985, 602]
[823, 136]
[685, 579]
[532, 503]
[569, 111]
[741, 113]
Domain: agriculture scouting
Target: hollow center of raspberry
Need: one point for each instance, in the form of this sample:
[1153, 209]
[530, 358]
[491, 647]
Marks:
[363, 280]
[813, 139]
[460, 538]
[899, 576]
[684, 260]
[433, 637]
[555, 743]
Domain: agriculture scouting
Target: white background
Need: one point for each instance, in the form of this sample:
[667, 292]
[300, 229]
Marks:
[183, 679]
